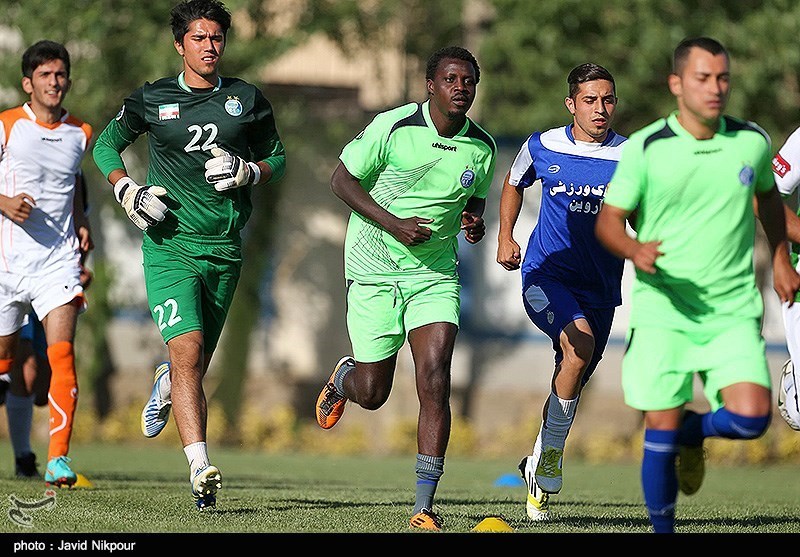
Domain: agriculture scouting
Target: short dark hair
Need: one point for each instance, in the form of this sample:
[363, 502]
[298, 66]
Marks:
[189, 10]
[451, 52]
[588, 72]
[42, 52]
[681, 53]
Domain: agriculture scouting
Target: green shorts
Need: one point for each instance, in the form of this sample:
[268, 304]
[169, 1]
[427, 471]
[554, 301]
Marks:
[659, 364]
[379, 316]
[190, 286]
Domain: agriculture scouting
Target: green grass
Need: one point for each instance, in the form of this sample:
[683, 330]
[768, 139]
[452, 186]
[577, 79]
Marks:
[145, 489]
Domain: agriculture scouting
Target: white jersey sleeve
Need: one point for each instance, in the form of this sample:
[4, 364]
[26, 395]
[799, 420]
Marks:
[786, 164]
[521, 166]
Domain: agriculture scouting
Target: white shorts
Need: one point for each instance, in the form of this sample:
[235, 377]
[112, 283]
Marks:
[19, 294]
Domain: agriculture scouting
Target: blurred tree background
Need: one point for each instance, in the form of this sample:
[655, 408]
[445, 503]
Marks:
[525, 50]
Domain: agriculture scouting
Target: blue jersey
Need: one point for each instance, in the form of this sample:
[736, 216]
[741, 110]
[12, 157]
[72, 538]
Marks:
[563, 246]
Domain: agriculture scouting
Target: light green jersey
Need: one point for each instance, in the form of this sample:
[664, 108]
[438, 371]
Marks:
[696, 197]
[410, 170]
[183, 125]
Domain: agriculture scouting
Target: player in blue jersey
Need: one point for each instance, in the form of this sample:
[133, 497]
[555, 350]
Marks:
[571, 285]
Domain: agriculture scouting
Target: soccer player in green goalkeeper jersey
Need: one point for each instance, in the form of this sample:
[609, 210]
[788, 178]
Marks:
[212, 140]
[696, 309]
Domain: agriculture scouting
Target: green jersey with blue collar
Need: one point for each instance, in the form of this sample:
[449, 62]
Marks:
[696, 197]
[412, 171]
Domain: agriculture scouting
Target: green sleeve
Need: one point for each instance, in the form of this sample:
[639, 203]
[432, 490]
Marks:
[266, 144]
[627, 183]
[120, 132]
[277, 163]
[107, 150]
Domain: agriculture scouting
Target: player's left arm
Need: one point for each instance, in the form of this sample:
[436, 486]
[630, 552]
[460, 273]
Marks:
[472, 220]
[266, 147]
[80, 216]
[771, 212]
[786, 171]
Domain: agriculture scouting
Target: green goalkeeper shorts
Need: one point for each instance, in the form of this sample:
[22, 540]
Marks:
[659, 364]
[190, 286]
[379, 316]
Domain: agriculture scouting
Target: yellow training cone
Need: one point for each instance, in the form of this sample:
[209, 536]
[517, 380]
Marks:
[493, 524]
[83, 482]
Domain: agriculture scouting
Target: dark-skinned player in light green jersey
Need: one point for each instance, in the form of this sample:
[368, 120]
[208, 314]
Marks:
[693, 179]
[414, 178]
[211, 140]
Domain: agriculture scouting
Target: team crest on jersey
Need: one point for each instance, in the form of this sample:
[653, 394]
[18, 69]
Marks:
[747, 175]
[169, 111]
[120, 113]
[467, 178]
[233, 106]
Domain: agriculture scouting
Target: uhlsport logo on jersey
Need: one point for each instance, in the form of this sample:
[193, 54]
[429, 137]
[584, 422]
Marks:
[233, 106]
[169, 111]
[467, 178]
[120, 113]
[747, 175]
[553, 168]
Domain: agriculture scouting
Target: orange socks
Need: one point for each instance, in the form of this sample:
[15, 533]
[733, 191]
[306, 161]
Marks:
[62, 397]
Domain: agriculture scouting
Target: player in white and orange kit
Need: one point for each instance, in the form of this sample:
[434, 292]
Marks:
[786, 168]
[41, 149]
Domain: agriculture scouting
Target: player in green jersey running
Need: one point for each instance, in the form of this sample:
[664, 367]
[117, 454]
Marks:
[415, 177]
[211, 139]
[696, 308]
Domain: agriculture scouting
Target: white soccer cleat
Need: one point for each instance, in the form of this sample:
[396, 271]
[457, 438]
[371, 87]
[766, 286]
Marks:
[548, 470]
[156, 412]
[206, 482]
[788, 404]
[537, 503]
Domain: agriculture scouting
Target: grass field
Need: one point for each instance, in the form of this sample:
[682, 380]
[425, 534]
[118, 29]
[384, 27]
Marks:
[145, 489]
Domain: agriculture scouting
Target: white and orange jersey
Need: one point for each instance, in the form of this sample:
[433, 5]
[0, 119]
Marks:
[41, 160]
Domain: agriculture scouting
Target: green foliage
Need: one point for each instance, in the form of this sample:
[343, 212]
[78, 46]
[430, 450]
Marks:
[529, 49]
[525, 50]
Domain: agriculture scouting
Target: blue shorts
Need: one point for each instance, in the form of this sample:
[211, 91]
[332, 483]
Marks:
[551, 306]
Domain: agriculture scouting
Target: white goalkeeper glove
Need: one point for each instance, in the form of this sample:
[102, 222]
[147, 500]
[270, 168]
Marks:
[142, 203]
[226, 171]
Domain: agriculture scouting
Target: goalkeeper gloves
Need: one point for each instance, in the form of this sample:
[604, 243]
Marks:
[226, 171]
[141, 203]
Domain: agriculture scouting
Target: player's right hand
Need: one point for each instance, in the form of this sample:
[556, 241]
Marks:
[17, 208]
[141, 203]
[410, 231]
[508, 254]
[644, 258]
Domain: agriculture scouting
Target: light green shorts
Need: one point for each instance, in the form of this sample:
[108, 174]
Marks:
[659, 364]
[379, 316]
[190, 286]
